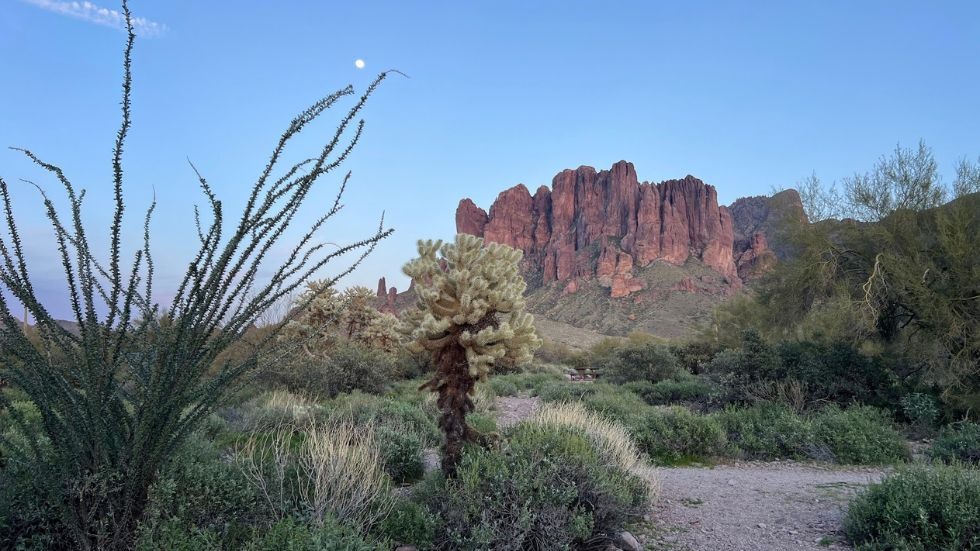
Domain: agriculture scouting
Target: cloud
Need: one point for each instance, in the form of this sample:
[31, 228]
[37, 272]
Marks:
[87, 11]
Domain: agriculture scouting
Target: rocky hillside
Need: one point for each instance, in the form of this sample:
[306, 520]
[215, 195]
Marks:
[604, 251]
[607, 224]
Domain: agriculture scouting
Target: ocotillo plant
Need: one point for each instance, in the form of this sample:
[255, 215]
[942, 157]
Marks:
[117, 396]
[470, 314]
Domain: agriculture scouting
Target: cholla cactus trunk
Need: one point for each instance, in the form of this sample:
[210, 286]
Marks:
[455, 384]
[469, 315]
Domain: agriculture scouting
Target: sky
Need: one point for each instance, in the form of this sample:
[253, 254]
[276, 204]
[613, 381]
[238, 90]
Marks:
[749, 97]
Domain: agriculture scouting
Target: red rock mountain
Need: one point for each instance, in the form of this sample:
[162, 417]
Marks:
[606, 225]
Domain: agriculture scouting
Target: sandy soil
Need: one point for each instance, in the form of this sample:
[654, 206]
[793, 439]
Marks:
[754, 506]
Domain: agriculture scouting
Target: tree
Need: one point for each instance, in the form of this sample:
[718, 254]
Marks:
[118, 395]
[900, 274]
[469, 315]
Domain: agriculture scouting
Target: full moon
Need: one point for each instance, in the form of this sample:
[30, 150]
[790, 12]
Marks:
[359, 63]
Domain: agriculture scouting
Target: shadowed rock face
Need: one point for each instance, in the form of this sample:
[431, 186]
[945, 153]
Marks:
[605, 224]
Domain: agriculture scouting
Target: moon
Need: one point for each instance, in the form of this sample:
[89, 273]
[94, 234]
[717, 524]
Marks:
[359, 63]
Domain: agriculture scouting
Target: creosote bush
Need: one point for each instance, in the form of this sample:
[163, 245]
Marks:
[548, 488]
[645, 361]
[959, 442]
[919, 508]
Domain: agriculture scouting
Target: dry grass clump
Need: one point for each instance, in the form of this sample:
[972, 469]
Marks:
[610, 440]
[333, 470]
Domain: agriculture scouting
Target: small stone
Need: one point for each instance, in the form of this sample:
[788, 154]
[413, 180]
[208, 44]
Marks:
[731, 482]
[625, 541]
[761, 525]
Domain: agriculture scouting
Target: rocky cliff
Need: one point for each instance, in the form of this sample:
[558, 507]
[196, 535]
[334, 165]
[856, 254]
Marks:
[606, 225]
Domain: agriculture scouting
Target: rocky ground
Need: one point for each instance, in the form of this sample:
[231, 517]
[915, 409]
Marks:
[775, 506]
[753, 507]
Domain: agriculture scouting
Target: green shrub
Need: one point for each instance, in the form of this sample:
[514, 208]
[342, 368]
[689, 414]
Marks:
[30, 517]
[504, 386]
[482, 423]
[958, 443]
[920, 409]
[859, 435]
[616, 403]
[366, 410]
[200, 489]
[768, 431]
[700, 392]
[350, 366]
[675, 433]
[566, 391]
[640, 362]
[292, 535]
[694, 356]
[401, 453]
[919, 508]
[409, 523]
[546, 486]
[840, 373]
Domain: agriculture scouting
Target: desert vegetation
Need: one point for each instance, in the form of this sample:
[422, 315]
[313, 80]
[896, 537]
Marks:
[267, 408]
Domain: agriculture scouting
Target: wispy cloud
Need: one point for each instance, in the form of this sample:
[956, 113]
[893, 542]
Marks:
[87, 11]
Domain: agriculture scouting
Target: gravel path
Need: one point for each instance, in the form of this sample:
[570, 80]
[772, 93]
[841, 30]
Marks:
[755, 506]
[514, 409]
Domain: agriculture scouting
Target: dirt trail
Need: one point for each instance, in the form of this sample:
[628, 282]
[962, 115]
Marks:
[755, 506]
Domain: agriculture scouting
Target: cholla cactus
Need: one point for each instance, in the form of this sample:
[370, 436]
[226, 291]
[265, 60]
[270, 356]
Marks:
[382, 332]
[317, 325]
[332, 317]
[469, 315]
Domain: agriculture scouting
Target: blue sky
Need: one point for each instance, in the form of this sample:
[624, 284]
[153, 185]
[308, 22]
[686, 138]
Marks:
[746, 96]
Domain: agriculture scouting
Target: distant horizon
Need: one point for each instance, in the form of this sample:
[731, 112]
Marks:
[747, 98]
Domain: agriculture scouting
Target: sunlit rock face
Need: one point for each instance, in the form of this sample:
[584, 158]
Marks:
[606, 224]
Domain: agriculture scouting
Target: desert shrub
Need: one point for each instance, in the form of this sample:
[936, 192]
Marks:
[554, 352]
[812, 372]
[694, 356]
[365, 410]
[838, 372]
[859, 435]
[616, 403]
[697, 391]
[504, 386]
[30, 517]
[349, 366]
[547, 486]
[274, 408]
[409, 523]
[768, 431]
[291, 534]
[530, 383]
[327, 471]
[412, 365]
[920, 409]
[611, 441]
[201, 492]
[401, 454]
[785, 392]
[675, 433]
[919, 508]
[565, 391]
[640, 362]
[958, 443]
[483, 424]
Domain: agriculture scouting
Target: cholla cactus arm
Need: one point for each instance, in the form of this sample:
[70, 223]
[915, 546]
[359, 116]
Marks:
[469, 315]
